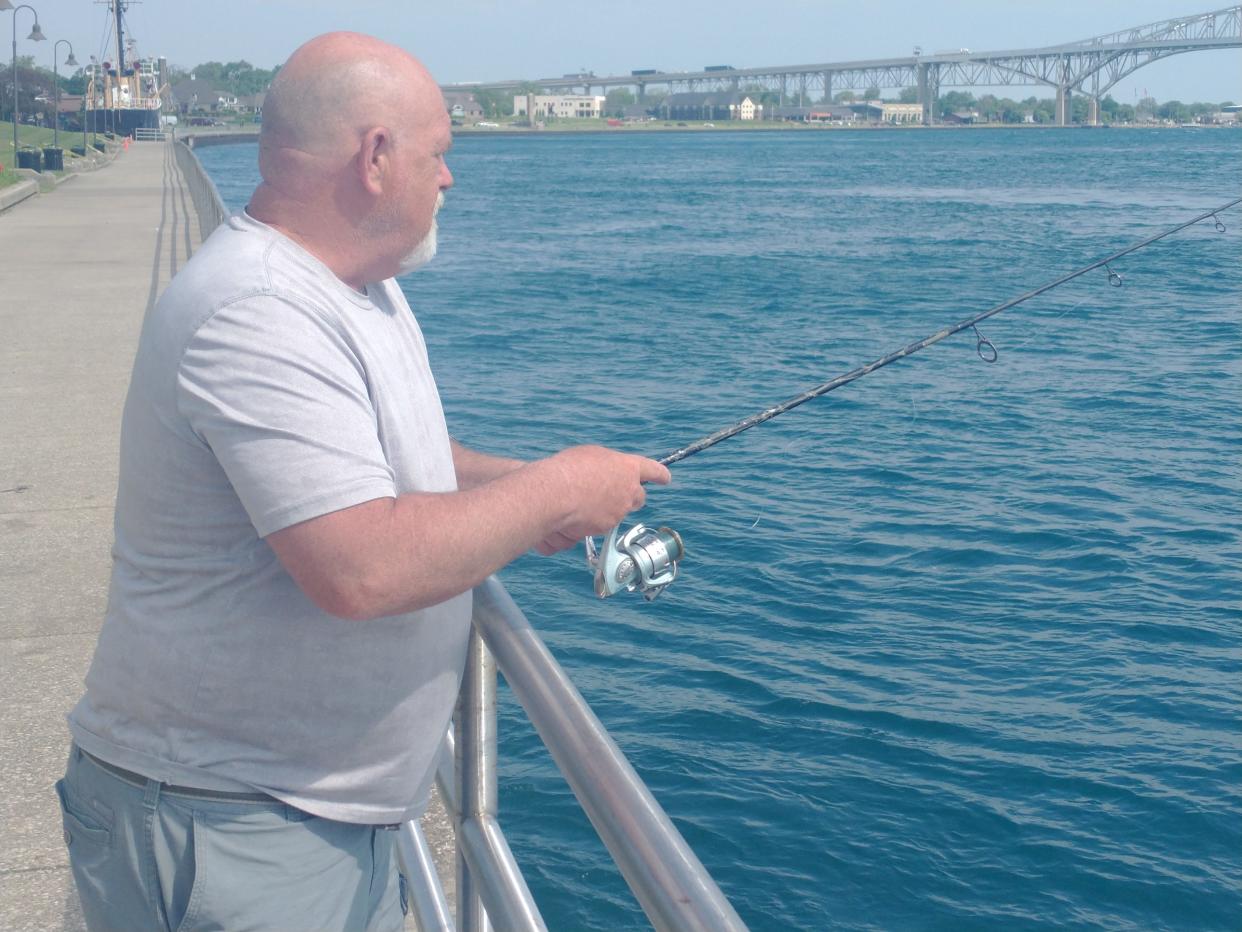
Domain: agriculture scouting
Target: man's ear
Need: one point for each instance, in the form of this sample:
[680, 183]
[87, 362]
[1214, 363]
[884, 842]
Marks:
[375, 160]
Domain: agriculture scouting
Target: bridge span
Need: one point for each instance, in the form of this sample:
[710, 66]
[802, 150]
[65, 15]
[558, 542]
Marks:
[1089, 66]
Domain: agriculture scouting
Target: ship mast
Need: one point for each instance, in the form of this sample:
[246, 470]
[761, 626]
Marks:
[118, 7]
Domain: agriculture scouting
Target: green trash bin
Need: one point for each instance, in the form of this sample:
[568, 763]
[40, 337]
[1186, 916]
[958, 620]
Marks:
[78, 150]
[30, 158]
[102, 147]
[53, 159]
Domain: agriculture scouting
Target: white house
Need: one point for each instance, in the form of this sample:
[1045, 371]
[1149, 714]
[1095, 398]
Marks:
[569, 106]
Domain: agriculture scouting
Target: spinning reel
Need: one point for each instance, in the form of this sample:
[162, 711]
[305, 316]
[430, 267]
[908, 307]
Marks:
[640, 560]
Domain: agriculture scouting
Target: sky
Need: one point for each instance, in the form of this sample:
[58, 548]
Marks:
[485, 40]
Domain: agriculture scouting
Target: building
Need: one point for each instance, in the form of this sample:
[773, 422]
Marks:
[559, 106]
[252, 103]
[711, 105]
[636, 113]
[463, 106]
[892, 112]
[193, 94]
[820, 113]
[887, 111]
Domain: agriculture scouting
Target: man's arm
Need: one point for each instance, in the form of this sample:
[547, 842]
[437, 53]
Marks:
[388, 556]
[475, 468]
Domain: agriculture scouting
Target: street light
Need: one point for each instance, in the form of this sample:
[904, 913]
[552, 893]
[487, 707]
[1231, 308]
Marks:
[70, 62]
[90, 89]
[37, 35]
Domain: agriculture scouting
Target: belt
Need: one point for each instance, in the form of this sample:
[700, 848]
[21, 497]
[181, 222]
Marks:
[172, 789]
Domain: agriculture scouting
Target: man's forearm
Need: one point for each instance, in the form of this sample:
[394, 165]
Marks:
[389, 555]
[475, 468]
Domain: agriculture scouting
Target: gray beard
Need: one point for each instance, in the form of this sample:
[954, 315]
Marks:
[421, 254]
[425, 251]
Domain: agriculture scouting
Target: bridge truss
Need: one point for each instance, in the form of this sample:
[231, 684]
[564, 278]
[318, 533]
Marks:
[1090, 66]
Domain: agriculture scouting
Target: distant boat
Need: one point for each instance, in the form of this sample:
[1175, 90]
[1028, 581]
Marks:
[122, 97]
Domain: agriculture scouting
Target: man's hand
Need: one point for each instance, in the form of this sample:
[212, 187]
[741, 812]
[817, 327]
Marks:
[602, 486]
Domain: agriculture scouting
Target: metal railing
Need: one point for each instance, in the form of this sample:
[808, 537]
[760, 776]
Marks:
[670, 883]
[207, 201]
[148, 134]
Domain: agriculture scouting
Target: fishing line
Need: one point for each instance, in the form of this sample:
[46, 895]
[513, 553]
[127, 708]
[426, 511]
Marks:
[646, 560]
[984, 347]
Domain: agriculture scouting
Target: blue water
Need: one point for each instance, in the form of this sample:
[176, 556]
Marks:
[955, 647]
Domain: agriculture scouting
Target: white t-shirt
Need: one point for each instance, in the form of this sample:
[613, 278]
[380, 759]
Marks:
[266, 392]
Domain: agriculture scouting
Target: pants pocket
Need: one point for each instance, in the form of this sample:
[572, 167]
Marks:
[88, 836]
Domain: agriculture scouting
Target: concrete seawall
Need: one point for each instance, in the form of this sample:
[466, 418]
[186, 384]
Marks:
[197, 140]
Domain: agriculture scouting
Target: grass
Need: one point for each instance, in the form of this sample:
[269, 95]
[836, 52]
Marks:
[35, 137]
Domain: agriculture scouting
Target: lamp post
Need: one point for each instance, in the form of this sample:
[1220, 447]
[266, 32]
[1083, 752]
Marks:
[90, 88]
[70, 62]
[37, 35]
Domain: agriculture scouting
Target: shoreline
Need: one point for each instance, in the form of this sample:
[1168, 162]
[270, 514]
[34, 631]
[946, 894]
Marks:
[197, 140]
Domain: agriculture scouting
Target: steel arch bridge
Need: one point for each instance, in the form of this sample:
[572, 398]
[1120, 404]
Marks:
[1090, 66]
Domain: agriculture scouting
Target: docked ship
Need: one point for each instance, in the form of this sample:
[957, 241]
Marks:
[126, 93]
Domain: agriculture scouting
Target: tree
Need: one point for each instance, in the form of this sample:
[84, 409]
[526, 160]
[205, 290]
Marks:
[871, 93]
[1044, 111]
[617, 100]
[1113, 112]
[761, 96]
[956, 100]
[74, 83]
[844, 97]
[1174, 110]
[908, 95]
[1011, 111]
[239, 78]
[494, 103]
[35, 91]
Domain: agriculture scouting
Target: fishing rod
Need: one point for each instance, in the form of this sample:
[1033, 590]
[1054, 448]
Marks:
[646, 560]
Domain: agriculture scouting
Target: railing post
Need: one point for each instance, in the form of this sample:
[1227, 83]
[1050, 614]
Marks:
[475, 757]
[671, 884]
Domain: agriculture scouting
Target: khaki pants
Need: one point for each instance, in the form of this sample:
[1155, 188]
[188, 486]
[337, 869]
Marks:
[145, 857]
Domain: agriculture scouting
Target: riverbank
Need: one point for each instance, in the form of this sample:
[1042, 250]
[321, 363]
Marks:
[219, 137]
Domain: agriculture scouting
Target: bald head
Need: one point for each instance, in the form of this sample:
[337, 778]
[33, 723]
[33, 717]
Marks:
[339, 85]
[352, 155]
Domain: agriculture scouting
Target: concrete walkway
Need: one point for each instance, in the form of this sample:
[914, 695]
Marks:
[78, 269]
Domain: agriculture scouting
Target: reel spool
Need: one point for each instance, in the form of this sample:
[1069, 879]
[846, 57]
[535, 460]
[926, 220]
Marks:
[640, 560]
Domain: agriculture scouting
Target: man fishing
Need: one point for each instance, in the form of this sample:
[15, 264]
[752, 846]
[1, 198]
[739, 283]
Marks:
[297, 535]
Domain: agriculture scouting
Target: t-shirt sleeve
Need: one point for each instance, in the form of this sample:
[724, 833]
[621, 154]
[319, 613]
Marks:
[280, 396]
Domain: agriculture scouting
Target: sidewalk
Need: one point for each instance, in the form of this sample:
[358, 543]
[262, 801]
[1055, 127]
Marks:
[80, 267]
[78, 270]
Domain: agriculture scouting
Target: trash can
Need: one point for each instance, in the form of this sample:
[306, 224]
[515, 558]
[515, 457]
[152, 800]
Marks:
[102, 147]
[30, 158]
[53, 159]
[78, 150]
